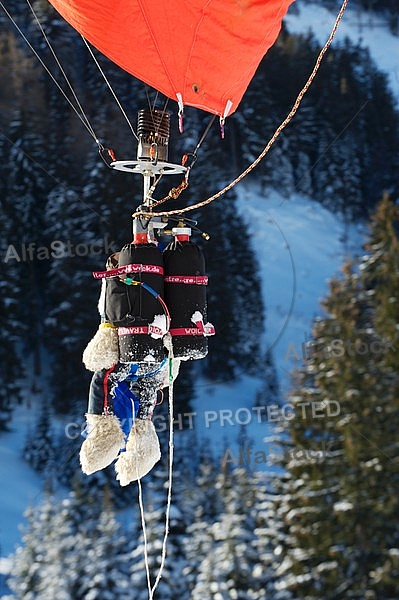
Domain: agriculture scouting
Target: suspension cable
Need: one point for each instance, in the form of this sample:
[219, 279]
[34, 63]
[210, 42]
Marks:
[82, 116]
[151, 590]
[110, 88]
[170, 474]
[279, 129]
[61, 69]
[145, 537]
[175, 192]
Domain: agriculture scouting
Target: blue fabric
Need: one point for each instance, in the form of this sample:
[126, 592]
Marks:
[131, 376]
[126, 405]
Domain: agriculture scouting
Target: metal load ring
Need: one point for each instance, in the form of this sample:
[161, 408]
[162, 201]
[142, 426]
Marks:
[147, 167]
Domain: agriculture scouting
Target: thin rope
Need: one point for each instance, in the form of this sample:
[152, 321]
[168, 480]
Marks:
[145, 539]
[83, 118]
[170, 478]
[151, 591]
[61, 68]
[276, 134]
[202, 138]
[152, 106]
[110, 88]
[176, 191]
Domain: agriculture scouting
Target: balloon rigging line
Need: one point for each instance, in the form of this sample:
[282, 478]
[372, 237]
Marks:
[175, 192]
[145, 540]
[170, 477]
[151, 105]
[61, 69]
[276, 134]
[151, 590]
[83, 117]
[204, 135]
[110, 88]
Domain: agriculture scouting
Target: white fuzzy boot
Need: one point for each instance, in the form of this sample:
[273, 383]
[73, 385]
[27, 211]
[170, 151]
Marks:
[104, 440]
[103, 350]
[142, 452]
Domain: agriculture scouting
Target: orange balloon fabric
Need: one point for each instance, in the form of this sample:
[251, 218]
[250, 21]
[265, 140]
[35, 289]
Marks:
[202, 51]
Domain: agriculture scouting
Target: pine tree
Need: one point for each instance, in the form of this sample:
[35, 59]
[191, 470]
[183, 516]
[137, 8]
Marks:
[380, 274]
[40, 554]
[10, 289]
[71, 554]
[172, 584]
[341, 510]
[72, 317]
[105, 572]
[269, 540]
[234, 298]
[39, 450]
[229, 553]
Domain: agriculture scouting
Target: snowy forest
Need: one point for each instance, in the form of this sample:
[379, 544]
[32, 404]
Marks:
[321, 522]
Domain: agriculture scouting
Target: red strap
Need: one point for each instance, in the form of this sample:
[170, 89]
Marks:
[141, 330]
[105, 388]
[207, 330]
[188, 279]
[132, 330]
[128, 269]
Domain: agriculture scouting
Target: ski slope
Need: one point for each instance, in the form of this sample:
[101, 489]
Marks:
[361, 27]
[300, 246]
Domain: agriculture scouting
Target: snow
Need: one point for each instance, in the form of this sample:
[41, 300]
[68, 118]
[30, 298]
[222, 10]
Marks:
[360, 27]
[343, 506]
[20, 485]
[299, 245]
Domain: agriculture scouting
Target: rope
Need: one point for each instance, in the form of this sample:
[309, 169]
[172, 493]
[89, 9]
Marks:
[170, 477]
[144, 529]
[175, 192]
[276, 134]
[90, 128]
[81, 115]
[151, 590]
[110, 88]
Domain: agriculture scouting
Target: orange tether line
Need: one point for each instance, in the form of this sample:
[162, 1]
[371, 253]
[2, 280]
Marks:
[279, 129]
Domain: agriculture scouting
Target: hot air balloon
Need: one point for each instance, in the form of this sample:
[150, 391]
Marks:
[202, 53]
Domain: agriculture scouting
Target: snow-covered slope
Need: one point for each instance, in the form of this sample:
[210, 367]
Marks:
[361, 27]
[299, 247]
[20, 485]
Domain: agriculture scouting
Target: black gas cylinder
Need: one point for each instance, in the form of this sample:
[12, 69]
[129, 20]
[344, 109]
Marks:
[185, 295]
[132, 308]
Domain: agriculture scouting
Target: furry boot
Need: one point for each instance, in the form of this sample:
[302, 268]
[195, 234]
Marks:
[142, 452]
[103, 350]
[104, 440]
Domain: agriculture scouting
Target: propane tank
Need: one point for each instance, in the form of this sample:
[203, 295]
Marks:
[185, 295]
[134, 308]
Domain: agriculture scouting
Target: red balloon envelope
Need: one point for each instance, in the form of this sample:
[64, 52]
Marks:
[204, 52]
